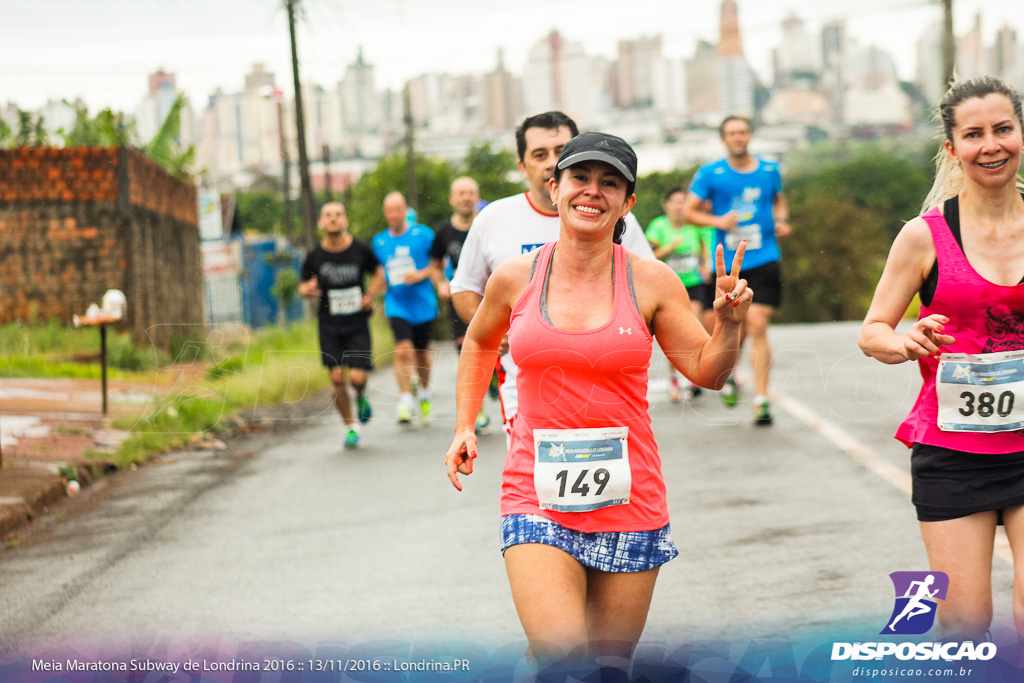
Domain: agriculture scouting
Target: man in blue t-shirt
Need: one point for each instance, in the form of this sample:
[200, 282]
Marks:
[410, 302]
[746, 204]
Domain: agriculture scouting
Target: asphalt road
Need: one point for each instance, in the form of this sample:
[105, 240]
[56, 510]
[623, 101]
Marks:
[783, 531]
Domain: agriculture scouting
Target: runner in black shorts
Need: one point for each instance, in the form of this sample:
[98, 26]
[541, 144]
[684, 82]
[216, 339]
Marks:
[336, 271]
[448, 241]
[405, 331]
[410, 303]
[686, 250]
[962, 259]
[447, 246]
[766, 281]
[748, 207]
[705, 294]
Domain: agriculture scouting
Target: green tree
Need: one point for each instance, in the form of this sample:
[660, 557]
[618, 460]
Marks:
[164, 147]
[23, 138]
[29, 131]
[650, 192]
[494, 171]
[846, 204]
[889, 186]
[107, 129]
[260, 211]
[285, 289]
[40, 136]
[433, 185]
[832, 261]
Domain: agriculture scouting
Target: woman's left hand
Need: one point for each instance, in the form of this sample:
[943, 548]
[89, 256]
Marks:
[460, 455]
[732, 296]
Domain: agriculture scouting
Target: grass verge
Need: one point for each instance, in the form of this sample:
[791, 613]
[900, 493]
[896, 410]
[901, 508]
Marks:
[269, 367]
[242, 371]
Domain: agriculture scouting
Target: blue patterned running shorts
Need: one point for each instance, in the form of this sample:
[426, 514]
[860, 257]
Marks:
[609, 551]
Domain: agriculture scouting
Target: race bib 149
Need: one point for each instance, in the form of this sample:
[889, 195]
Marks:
[580, 470]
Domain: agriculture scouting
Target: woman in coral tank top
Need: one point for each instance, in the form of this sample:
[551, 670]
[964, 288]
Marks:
[965, 257]
[584, 516]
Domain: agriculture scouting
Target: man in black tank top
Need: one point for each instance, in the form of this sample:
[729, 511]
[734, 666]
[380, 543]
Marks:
[336, 271]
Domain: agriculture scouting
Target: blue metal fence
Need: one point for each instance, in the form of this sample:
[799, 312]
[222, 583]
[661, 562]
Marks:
[247, 297]
[259, 305]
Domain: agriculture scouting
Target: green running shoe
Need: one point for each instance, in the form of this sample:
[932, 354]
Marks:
[730, 393]
[425, 411]
[352, 439]
[763, 414]
[363, 406]
[492, 388]
[404, 414]
[483, 423]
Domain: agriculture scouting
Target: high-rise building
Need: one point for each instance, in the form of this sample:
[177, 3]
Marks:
[702, 95]
[669, 87]
[736, 87]
[360, 101]
[833, 43]
[794, 58]
[875, 97]
[322, 109]
[639, 61]
[242, 131]
[447, 104]
[729, 42]
[834, 57]
[502, 97]
[1006, 55]
[424, 96]
[559, 75]
[735, 77]
[929, 64]
[152, 111]
[259, 79]
[971, 59]
[161, 81]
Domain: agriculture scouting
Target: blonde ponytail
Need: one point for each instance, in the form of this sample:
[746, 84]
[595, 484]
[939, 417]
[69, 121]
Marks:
[949, 180]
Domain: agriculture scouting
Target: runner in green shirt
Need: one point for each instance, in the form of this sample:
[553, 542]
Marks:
[687, 250]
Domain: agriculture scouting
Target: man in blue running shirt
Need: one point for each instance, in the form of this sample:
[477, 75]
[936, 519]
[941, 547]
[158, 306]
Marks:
[410, 302]
[747, 204]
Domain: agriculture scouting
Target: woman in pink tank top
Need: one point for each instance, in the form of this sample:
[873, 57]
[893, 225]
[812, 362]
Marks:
[965, 257]
[584, 515]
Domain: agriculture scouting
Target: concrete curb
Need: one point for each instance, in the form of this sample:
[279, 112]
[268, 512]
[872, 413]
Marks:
[26, 492]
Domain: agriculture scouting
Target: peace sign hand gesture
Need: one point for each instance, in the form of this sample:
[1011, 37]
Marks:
[732, 296]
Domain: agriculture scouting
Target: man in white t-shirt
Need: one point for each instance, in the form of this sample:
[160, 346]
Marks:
[519, 224]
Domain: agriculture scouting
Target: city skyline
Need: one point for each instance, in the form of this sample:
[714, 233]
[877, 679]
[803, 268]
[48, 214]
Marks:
[213, 45]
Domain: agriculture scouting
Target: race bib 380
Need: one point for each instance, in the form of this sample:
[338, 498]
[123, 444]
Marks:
[981, 392]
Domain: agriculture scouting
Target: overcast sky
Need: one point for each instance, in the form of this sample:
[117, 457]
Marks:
[102, 50]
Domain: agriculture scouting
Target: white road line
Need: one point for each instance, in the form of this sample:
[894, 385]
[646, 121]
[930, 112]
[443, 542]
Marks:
[868, 458]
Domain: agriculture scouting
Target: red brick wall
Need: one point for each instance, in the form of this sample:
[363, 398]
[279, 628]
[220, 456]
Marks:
[76, 222]
[50, 174]
[154, 189]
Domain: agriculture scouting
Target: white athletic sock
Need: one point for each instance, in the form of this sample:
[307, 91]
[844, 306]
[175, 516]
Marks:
[424, 393]
[406, 398]
[758, 400]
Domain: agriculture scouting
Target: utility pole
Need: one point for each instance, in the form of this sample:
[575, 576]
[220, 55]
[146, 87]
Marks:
[948, 45]
[410, 154]
[327, 172]
[306, 188]
[286, 180]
